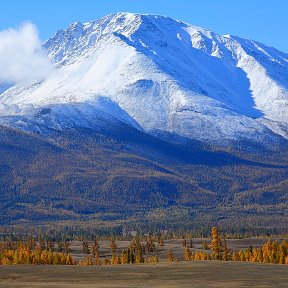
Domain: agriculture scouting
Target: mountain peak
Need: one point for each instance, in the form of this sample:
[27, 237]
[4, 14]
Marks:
[166, 75]
[135, 27]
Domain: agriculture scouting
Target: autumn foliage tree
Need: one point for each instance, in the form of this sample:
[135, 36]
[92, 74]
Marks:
[187, 253]
[113, 246]
[86, 249]
[170, 256]
[216, 245]
[95, 252]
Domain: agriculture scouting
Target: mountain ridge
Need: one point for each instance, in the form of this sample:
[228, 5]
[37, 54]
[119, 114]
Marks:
[183, 78]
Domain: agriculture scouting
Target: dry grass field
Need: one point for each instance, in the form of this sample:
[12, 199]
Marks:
[184, 274]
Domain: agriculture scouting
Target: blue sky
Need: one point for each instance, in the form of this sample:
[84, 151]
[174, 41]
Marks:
[262, 20]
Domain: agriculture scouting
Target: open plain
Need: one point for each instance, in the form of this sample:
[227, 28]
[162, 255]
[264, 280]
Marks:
[194, 274]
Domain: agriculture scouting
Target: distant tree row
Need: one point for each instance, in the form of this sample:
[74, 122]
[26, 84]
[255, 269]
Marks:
[133, 254]
[23, 254]
[40, 252]
[270, 252]
[138, 251]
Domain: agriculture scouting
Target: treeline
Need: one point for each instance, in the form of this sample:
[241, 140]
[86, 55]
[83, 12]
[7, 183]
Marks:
[43, 252]
[270, 252]
[13, 253]
[137, 253]
[121, 234]
[139, 250]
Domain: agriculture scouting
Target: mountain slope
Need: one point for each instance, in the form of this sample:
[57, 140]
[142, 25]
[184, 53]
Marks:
[124, 176]
[166, 75]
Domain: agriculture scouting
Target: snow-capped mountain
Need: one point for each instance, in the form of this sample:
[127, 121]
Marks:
[157, 75]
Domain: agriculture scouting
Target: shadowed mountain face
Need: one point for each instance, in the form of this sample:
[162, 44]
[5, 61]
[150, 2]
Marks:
[150, 121]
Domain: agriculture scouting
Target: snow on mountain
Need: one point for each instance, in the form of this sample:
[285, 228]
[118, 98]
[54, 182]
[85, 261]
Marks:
[159, 75]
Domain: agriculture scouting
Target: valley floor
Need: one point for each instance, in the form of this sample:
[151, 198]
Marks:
[184, 274]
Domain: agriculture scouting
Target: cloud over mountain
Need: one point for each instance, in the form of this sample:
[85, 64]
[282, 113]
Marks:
[21, 55]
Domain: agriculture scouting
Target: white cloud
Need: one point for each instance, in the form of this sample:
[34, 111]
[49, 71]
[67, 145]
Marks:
[21, 55]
